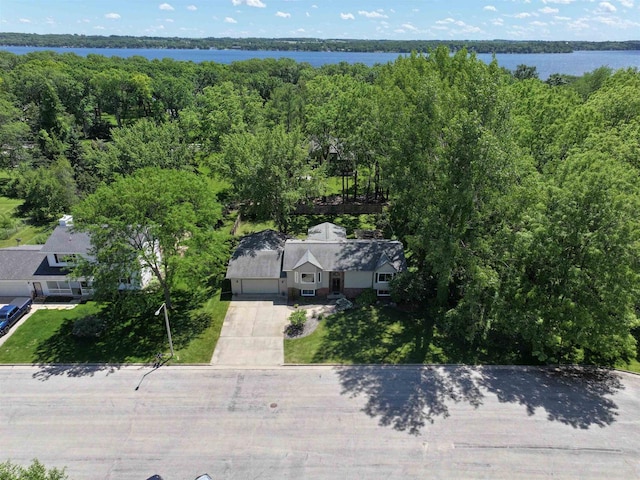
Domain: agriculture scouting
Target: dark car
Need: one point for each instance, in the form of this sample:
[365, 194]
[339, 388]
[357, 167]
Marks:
[10, 314]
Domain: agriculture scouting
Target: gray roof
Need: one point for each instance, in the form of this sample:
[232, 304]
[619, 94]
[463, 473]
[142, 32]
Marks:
[259, 255]
[345, 255]
[27, 264]
[326, 231]
[66, 240]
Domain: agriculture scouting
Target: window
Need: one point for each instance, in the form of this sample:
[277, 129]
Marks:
[384, 277]
[308, 278]
[308, 293]
[384, 293]
[65, 258]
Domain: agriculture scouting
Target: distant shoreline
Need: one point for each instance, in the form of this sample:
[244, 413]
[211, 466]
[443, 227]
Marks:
[307, 44]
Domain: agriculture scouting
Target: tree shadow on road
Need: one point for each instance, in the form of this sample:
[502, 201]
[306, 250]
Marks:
[408, 398]
[575, 396]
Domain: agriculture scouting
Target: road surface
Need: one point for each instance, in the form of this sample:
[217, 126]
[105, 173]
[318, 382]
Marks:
[322, 422]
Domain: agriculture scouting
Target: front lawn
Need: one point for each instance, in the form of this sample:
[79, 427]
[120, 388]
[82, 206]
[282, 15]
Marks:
[366, 335]
[133, 335]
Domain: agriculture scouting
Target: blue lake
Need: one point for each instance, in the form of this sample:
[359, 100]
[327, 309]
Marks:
[576, 63]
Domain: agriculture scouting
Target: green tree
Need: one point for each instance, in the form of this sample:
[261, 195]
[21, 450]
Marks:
[270, 172]
[143, 144]
[35, 471]
[47, 191]
[148, 221]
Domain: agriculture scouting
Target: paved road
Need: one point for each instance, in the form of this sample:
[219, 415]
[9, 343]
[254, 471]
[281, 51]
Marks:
[322, 422]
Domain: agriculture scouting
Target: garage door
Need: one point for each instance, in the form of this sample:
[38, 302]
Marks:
[14, 289]
[262, 286]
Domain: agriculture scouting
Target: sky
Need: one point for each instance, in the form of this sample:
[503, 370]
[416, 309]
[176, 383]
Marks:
[592, 20]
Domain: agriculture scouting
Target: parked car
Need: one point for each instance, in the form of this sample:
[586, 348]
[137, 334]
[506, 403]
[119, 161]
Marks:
[10, 314]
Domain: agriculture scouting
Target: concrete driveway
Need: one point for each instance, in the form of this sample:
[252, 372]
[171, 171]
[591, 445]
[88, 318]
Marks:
[252, 333]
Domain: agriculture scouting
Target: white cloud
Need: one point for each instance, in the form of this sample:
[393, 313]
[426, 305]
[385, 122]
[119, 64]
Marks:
[548, 10]
[249, 3]
[24, 20]
[165, 6]
[408, 26]
[522, 15]
[490, 8]
[347, 16]
[230, 20]
[193, 8]
[372, 14]
[561, 2]
[98, 27]
[112, 16]
[627, 3]
[168, 20]
[539, 24]
[608, 7]
[283, 15]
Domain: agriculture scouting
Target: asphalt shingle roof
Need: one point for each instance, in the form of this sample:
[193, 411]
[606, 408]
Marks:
[259, 255]
[27, 264]
[65, 240]
[327, 232]
[345, 255]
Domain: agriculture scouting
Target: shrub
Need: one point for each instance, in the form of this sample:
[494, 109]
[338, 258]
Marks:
[91, 326]
[296, 323]
[367, 297]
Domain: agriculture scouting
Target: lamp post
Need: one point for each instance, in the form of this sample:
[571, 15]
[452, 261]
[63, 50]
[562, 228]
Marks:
[166, 319]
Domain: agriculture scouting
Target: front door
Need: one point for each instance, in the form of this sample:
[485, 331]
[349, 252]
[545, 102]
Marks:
[37, 289]
[335, 285]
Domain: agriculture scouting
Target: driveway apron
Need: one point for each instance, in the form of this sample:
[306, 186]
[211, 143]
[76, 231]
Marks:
[252, 333]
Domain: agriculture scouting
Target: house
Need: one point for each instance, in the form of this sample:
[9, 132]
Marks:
[43, 270]
[323, 264]
[256, 265]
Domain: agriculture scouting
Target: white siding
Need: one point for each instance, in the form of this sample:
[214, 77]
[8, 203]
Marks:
[386, 268]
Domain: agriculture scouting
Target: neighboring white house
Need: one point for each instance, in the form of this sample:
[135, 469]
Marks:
[325, 263]
[43, 270]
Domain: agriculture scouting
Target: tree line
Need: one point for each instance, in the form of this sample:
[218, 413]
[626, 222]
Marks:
[517, 200]
[307, 44]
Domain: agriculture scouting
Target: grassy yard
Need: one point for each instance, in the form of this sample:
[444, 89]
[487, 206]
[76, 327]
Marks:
[366, 335]
[300, 224]
[381, 335]
[132, 335]
[28, 234]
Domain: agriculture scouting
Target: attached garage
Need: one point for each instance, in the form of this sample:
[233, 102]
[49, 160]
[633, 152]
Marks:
[259, 286]
[15, 289]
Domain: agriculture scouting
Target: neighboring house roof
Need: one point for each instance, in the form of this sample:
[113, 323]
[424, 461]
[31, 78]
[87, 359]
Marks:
[27, 264]
[345, 255]
[259, 255]
[65, 240]
[327, 232]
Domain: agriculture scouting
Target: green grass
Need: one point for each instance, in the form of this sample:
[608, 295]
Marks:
[134, 334]
[247, 226]
[632, 366]
[28, 234]
[366, 335]
[200, 348]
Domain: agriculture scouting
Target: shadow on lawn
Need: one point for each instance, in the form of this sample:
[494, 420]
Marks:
[133, 335]
[408, 398]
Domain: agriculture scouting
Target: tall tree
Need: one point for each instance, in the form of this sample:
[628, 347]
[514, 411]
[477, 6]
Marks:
[270, 172]
[146, 222]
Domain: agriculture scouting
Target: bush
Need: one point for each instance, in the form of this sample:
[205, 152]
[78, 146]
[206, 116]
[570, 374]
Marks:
[367, 297]
[297, 321]
[91, 326]
[36, 471]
